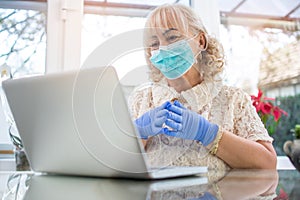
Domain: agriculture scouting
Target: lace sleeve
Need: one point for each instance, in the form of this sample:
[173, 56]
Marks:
[247, 122]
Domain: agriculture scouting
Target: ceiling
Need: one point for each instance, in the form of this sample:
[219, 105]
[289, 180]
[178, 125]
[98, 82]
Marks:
[275, 9]
[271, 9]
[284, 14]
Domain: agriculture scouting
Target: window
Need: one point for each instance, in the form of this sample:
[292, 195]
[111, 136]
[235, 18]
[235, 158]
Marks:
[23, 47]
[23, 41]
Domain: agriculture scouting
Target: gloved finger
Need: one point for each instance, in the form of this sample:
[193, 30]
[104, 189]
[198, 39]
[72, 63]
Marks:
[169, 132]
[159, 121]
[177, 103]
[164, 105]
[175, 109]
[174, 125]
[165, 130]
[175, 117]
[161, 113]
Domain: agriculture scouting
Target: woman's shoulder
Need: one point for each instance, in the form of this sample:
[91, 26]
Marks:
[233, 91]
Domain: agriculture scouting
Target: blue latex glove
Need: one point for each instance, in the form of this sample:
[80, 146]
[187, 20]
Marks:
[206, 196]
[151, 122]
[190, 125]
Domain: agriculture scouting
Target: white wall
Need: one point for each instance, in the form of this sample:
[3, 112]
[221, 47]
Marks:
[64, 35]
[209, 12]
[283, 91]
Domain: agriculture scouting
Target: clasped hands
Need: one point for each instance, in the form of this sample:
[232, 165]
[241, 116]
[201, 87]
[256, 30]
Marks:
[180, 122]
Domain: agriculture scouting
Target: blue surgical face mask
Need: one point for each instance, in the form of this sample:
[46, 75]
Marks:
[173, 60]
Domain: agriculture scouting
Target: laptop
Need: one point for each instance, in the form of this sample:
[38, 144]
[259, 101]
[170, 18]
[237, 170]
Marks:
[78, 188]
[78, 123]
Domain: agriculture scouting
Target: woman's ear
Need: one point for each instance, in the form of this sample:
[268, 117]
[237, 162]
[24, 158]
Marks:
[202, 41]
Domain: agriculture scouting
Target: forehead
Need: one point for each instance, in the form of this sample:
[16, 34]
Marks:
[165, 19]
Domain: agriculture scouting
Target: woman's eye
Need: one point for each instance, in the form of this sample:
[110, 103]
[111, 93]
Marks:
[172, 38]
[154, 44]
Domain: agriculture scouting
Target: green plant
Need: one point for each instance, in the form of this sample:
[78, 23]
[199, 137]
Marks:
[291, 104]
[297, 131]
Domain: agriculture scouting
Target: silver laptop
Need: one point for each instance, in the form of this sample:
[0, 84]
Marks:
[78, 123]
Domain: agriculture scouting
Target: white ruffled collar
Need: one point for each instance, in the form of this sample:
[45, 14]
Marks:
[196, 98]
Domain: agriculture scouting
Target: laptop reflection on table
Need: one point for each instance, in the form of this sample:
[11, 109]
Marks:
[78, 188]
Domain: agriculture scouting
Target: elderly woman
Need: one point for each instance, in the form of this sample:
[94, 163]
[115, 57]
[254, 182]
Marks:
[187, 116]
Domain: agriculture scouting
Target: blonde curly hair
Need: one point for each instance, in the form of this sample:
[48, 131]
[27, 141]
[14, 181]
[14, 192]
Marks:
[210, 62]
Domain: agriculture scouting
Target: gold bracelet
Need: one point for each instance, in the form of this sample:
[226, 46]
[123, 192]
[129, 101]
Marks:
[174, 99]
[213, 150]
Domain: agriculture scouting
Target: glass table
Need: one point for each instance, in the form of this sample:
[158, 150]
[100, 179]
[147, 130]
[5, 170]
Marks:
[234, 184]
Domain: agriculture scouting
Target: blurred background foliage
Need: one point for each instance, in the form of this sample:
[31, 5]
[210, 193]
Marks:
[291, 104]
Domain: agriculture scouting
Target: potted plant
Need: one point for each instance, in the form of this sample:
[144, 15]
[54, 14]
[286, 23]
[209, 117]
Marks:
[22, 163]
[292, 148]
[297, 132]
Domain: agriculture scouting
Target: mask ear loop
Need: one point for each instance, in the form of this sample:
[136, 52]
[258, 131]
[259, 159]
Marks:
[201, 50]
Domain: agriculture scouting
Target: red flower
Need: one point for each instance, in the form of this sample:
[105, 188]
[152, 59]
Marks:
[277, 113]
[282, 195]
[257, 99]
[266, 109]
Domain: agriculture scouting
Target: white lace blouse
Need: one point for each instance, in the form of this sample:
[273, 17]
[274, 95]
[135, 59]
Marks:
[229, 107]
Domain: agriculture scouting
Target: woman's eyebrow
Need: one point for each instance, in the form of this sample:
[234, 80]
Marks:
[153, 37]
[170, 29]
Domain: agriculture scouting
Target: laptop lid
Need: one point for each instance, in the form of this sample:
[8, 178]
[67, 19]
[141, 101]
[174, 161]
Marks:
[78, 123]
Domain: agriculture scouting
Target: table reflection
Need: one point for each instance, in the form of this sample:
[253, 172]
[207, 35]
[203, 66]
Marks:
[252, 184]
[234, 184]
[67, 187]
